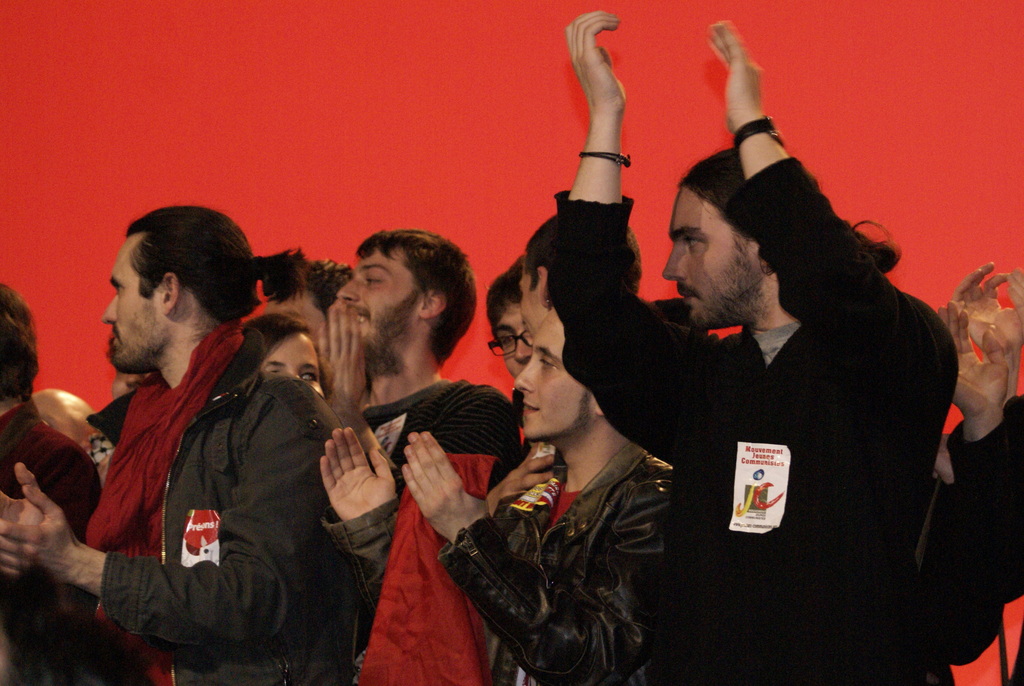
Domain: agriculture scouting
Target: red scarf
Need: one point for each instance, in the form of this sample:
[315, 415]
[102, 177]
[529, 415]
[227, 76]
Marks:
[425, 629]
[128, 517]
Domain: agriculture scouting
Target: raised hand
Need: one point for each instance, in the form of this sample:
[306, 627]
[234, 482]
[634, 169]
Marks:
[592, 64]
[1016, 281]
[437, 488]
[981, 383]
[743, 87]
[354, 486]
[978, 298]
[341, 340]
[534, 469]
[597, 180]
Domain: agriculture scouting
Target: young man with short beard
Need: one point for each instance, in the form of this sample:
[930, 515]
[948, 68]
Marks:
[565, 575]
[411, 299]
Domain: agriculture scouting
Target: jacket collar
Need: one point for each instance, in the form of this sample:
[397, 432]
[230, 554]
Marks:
[593, 496]
[240, 378]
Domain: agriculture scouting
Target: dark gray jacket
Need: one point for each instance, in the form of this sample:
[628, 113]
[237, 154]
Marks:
[278, 607]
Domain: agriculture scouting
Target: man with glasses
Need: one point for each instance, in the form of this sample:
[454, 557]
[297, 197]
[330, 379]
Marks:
[511, 340]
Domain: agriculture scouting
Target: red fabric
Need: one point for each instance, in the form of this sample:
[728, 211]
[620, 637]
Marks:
[426, 631]
[128, 517]
[63, 470]
[565, 499]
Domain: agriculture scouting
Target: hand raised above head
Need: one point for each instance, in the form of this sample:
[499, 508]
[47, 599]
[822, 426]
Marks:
[592, 64]
[354, 485]
[743, 87]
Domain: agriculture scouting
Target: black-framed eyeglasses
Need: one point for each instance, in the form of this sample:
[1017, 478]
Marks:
[506, 344]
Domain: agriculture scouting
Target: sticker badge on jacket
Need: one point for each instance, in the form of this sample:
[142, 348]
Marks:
[201, 529]
[541, 494]
[389, 432]
[759, 487]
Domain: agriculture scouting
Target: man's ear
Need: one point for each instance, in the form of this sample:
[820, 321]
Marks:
[542, 286]
[167, 296]
[434, 303]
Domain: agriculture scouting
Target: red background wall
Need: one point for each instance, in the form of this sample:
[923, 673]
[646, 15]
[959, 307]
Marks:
[314, 124]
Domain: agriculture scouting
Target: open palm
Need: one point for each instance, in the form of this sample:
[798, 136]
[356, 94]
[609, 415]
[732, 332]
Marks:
[354, 485]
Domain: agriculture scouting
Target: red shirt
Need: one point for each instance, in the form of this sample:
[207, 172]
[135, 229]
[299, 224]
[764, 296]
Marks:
[565, 499]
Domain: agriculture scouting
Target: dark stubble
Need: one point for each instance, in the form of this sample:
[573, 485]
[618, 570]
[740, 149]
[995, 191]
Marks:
[390, 328]
[734, 297]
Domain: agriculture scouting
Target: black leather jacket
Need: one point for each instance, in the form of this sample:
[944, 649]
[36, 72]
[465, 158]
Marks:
[573, 604]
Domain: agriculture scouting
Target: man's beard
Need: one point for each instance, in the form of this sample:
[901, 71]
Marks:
[733, 298]
[390, 328]
[128, 359]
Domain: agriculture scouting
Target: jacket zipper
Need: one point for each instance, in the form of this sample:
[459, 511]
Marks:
[167, 489]
[163, 527]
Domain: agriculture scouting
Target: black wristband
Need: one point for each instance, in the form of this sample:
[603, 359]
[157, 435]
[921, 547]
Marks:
[762, 125]
[621, 160]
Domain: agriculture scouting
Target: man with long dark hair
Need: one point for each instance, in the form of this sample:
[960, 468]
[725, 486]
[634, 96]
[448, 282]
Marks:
[803, 446]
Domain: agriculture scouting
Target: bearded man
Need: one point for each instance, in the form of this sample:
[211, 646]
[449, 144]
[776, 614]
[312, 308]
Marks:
[411, 299]
[206, 539]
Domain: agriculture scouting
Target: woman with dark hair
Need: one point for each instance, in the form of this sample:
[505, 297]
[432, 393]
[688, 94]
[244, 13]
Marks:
[291, 351]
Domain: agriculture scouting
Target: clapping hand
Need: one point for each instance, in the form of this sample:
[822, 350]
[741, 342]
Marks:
[354, 485]
[981, 383]
[977, 297]
[437, 488]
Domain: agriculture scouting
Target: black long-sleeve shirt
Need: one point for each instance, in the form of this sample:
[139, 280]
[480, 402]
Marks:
[858, 395]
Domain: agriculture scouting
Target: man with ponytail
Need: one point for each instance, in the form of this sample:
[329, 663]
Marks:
[207, 540]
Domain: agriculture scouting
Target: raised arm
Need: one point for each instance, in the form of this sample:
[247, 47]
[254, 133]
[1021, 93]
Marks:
[598, 179]
[743, 100]
[973, 537]
[616, 345]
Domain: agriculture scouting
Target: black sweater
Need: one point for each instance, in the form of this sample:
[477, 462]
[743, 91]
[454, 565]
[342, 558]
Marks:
[858, 395]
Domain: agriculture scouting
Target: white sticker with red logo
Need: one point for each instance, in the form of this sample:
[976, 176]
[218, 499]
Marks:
[759, 487]
[201, 544]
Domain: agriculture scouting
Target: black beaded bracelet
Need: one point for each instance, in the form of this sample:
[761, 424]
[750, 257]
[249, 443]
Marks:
[762, 125]
[621, 160]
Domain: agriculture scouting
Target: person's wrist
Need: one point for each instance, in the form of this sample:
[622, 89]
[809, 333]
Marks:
[606, 108]
[741, 118]
[977, 425]
[82, 566]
